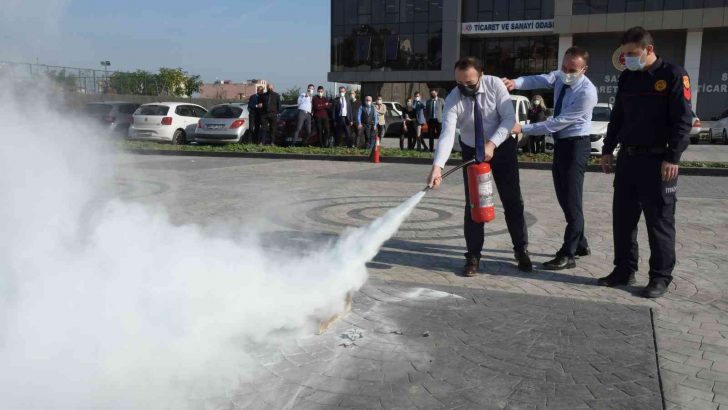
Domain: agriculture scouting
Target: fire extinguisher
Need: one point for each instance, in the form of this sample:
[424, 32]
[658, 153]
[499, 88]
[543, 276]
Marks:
[480, 188]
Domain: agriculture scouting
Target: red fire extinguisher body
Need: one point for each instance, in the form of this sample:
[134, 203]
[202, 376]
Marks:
[480, 189]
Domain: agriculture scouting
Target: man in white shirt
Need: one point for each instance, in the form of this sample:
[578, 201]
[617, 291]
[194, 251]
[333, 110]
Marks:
[486, 98]
[304, 113]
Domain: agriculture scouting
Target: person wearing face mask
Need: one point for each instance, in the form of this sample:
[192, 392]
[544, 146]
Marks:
[420, 121]
[481, 107]
[409, 130]
[381, 114]
[305, 112]
[435, 105]
[343, 117]
[270, 106]
[367, 120]
[651, 121]
[570, 127]
[355, 131]
[254, 114]
[537, 113]
[321, 107]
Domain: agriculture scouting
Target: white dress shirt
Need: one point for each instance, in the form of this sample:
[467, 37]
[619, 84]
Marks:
[304, 102]
[498, 117]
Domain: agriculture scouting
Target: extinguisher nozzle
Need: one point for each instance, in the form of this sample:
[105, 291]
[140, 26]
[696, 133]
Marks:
[445, 175]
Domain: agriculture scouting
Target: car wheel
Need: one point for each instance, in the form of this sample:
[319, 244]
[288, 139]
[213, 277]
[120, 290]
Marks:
[694, 140]
[179, 138]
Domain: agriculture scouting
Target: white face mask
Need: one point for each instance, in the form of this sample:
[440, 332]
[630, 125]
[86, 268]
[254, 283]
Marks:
[310, 91]
[635, 63]
[417, 98]
[537, 103]
[342, 94]
[321, 94]
[353, 98]
[379, 101]
[569, 78]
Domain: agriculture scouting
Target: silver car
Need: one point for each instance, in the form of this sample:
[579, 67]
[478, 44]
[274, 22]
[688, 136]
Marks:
[116, 116]
[224, 123]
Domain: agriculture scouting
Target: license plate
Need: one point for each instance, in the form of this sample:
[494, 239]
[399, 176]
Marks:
[215, 126]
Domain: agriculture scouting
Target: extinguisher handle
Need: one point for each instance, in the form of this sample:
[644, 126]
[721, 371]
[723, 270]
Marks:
[464, 164]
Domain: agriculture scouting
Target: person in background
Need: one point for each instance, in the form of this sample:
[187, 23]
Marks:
[254, 114]
[435, 105]
[305, 111]
[270, 106]
[537, 113]
[367, 120]
[343, 118]
[408, 125]
[381, 114]
[420, 121]
[320, 108]
[355, 105]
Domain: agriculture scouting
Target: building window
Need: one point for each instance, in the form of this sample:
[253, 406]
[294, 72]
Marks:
[499, 10]
[386, 35]
[514, 56]
[630, 6]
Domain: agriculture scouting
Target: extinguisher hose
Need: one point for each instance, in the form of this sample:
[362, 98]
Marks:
[464, 164]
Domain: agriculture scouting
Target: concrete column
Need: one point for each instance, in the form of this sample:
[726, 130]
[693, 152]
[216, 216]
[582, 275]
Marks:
[565, 41]
[693, 49]
[451, 23]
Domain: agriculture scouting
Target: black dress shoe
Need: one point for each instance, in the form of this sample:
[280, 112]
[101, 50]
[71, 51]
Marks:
[617, 279]
[654, 289]
[559, 263]
[524, 261]
[583, 251]
[471, 266]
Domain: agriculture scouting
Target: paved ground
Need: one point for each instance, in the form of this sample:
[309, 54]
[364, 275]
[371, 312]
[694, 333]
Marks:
[301, 200]
[696, 152]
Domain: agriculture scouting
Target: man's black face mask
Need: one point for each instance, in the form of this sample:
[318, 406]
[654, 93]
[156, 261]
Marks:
[469, 90]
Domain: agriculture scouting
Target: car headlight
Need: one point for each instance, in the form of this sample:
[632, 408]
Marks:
[596, 137]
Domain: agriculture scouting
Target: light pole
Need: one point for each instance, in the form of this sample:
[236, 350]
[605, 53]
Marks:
[106, 65]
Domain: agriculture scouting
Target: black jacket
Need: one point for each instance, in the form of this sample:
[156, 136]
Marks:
[652, 109]
[537, 114]
[349, 110]
[271, 103]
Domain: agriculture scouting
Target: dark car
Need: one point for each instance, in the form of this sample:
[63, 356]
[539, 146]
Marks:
[116, 116]
[287, 127]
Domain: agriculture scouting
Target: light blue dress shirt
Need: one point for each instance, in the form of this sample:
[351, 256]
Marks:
[304, 102]
[579, 101]
[363, 108]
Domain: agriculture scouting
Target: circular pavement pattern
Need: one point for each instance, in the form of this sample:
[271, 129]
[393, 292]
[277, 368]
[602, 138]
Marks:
[433, 218]
[134, 188]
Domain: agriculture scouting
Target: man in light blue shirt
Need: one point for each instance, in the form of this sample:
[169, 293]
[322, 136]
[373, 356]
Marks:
[367, 118]
[570, 127]
[304, 113]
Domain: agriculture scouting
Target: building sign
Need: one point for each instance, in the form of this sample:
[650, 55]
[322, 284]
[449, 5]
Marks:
[521, 26]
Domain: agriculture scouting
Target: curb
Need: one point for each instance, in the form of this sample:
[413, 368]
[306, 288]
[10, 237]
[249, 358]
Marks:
[720, 172]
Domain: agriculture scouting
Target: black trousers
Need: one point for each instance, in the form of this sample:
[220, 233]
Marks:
[571, 156]
[504, 166]
[433, 131]
[255, 118]
[536, 144]
[303, 121]
[638, 188]
[269, 124]
[342, 126]
[324, 131]
[369, 132]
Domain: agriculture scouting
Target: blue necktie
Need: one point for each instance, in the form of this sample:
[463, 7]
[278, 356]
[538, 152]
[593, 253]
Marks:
[479, 137]
[560, 100]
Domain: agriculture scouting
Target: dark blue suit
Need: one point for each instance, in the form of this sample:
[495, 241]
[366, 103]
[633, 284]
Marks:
[343, 118]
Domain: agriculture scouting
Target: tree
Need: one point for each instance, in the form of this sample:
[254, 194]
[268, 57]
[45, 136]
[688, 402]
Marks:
[139, 82]
[193, 84]
[290, 96]
[173, 81]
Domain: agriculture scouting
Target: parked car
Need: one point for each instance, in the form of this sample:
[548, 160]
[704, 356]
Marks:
[521, 105]
[287, 127]
[395, 106]
[224, 123]
[695, 131]
[166, 121]
[600, 121]
[718, 128]
[115, 116]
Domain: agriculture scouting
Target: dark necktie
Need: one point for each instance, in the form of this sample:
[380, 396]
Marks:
[560, 100]
[479, 137]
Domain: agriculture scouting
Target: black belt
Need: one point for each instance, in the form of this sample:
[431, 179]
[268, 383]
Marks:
[576, 138]
[643, 150]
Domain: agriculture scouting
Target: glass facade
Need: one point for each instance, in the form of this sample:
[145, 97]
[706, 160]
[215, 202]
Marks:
[500, 10]
[514, 56]
[385, 35]
[629, 6]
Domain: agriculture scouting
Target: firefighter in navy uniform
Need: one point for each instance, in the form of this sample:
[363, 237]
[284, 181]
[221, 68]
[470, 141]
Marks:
[651, 121]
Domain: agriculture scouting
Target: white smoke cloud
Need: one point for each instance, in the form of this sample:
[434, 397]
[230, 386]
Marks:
[106, 304]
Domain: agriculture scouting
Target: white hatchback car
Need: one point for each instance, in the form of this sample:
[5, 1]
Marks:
[600, 122]
[173, 122]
